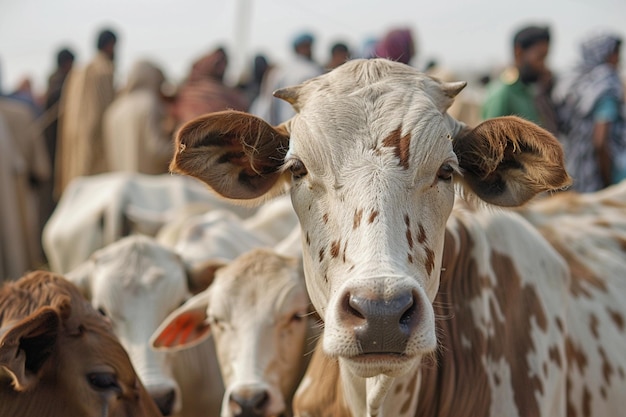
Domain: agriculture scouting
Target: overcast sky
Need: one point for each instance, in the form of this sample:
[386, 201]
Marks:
[461, 34]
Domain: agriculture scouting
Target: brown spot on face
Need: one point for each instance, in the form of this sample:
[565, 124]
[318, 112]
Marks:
[401, 146]
[421, 237]
[593, 325]
[575, 356]
[409, 235]
[430, 260]
[617, 318]
[373, 216]
[559, 324]
[343, 255]
[334, 248]
[410, 258]
[607, 368]
[357, 218]
[308, 239]
[325, 218]
[321, 254]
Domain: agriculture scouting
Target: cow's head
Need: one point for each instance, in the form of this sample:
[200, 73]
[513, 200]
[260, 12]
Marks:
[136, 282]
[60, 355]
[256, 310]
[371, 160]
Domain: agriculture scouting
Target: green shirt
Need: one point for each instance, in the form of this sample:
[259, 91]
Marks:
[510, 99]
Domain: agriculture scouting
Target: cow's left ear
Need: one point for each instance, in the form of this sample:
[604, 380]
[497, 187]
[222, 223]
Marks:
[27, 345]
[185, 327]
[506, 161]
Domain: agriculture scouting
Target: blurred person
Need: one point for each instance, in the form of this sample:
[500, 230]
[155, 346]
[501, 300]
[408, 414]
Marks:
[86, 94]
[136, 138]
[300, 67]
[49, 121]
[339, 54]
[24, 166]
[25, 94]
[590, 105]
[204, 90]
[397, 45]
[523, 89]
[252, 79]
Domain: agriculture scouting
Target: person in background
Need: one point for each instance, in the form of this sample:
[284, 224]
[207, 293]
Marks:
[300, 67]
[397, 45]
[339, 54]
[252, 79]
[134, 125]
[518, 90]
[86, 94]
[590, 106]
[24, 93]
[204, 90]
[49, 122]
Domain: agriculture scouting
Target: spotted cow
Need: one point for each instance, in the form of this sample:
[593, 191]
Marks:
[429, 308]
[59, 357]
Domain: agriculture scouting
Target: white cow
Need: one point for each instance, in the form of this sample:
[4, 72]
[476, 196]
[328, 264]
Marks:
[257, 310]
[137, 282]
[371, 160]
[97, 210]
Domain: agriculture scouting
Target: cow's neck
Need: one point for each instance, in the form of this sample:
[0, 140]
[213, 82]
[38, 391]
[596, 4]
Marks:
[381, 396]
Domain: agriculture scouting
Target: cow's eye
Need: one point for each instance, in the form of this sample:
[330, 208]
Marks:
[102, 311]
[103, 381]
[445, 173]
[297, 318]
[297, 168]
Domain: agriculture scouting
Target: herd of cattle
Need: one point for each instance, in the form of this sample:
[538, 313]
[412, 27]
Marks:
[376, 279]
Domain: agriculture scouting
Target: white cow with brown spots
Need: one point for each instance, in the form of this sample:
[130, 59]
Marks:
[371, 160]
[257, 310]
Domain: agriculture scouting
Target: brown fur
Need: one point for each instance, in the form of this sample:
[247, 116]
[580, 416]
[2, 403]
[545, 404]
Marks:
[508, 150]
[44, 318]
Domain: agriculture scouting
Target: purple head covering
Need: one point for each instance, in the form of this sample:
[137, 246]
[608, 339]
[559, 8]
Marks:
[397, 45]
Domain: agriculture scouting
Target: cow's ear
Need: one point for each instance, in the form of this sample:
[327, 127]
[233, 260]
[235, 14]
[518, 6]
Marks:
[27, 345]
[199, 277]
[238, 155]
[185, 327]
[507, 160]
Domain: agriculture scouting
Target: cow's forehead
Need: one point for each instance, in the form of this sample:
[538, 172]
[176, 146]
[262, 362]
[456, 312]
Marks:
[346, 116]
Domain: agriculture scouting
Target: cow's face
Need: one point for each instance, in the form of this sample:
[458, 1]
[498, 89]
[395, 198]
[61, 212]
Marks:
[370, 158]
[62, 357]
[373, 192]
[136, 283]
[256, 310]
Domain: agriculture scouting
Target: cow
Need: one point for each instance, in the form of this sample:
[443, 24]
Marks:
[97, 210]
[428, 308]
[59, 357]
[257, 310]
[137, 282]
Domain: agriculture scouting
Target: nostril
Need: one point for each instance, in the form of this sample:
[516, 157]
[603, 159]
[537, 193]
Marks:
[355, 307]
[409, 316]
[249, 403]
[260, 402]
[165, 402]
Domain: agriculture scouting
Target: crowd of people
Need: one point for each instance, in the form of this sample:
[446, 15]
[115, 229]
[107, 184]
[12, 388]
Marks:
[84, 125]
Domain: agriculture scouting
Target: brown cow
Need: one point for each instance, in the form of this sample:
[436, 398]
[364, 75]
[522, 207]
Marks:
[59, 357]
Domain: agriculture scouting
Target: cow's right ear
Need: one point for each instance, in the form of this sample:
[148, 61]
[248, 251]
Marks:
[200, 276]
[237, 154]
[185, 327]
[26, 346]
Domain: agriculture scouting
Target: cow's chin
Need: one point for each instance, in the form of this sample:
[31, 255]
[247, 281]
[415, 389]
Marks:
[374, 364]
